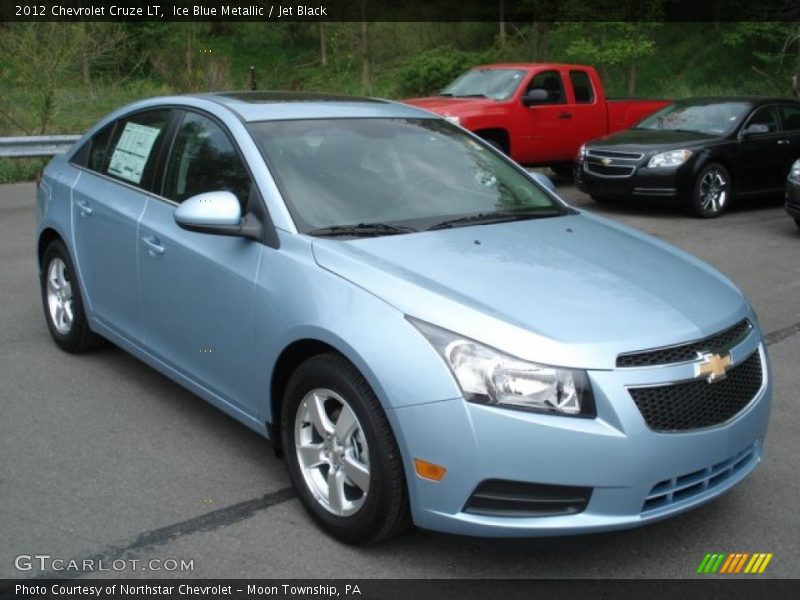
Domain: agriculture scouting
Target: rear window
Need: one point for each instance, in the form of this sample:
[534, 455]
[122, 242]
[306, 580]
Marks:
[582, 87]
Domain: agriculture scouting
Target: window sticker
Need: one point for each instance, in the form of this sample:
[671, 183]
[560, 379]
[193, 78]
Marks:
[133, 148]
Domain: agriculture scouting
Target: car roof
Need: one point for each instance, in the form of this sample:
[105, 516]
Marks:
[276, 105]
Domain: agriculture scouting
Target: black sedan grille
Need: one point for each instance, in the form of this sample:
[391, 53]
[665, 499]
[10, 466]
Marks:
[698, 404]
[609, 170]
[689, 351]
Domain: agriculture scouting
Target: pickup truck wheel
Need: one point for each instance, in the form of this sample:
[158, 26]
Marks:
[63, 306]
[712, 192]
[341, 453]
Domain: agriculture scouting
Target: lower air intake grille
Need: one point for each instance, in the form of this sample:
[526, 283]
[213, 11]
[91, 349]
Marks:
[697, 404]
[502, 498]
[685, 487]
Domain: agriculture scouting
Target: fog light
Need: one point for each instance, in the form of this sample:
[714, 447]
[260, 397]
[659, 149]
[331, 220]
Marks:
[427, 470]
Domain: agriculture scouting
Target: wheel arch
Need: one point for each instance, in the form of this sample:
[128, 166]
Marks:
[47, 236]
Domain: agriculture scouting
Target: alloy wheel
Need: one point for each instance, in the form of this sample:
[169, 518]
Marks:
[332, 452]
[713, 191]
[60, 302]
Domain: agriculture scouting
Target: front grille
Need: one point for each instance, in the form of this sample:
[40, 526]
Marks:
[616, 154]
[697, 404]
[503, 498]
[608, 170]
[717, 343]
[685, 487]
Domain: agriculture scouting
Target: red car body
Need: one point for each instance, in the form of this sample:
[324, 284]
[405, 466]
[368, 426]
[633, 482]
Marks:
[547, 132]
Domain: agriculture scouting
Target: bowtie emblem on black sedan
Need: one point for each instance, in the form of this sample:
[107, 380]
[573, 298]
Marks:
[606, 161]
[713, 366]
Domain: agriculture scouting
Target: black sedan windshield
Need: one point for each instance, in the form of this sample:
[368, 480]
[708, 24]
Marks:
[382, 176]
[711, 118]
[497, 84]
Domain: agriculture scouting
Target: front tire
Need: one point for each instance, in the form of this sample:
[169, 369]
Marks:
[712, 192]
[62, 301]
[341, 454]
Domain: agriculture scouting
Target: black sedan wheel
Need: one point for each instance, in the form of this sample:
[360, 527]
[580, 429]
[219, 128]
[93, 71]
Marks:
[342, 456]
[712, 192]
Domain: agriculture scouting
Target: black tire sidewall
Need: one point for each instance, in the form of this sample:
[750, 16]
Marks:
[70, 341]
[323, 372]
[696, 205]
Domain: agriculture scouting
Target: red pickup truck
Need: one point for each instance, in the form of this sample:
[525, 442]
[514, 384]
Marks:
[539, 114]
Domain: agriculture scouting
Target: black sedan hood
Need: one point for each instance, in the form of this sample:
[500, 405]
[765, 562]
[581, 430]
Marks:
[646, 140]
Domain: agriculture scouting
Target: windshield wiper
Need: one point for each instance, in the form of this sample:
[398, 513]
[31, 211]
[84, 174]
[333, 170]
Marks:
[471, 96]
[500, 216]
[362, 229]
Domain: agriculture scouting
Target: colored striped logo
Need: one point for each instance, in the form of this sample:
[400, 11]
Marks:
[734, 563]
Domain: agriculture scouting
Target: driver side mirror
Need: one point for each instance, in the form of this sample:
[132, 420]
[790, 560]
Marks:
[535, 96]
[211, 212]
[755, 129]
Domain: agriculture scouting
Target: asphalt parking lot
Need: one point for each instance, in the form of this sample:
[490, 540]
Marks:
[104, 458]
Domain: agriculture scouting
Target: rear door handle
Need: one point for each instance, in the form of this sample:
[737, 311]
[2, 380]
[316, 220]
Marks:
[565, 115]
[154, 247]
[84, 207]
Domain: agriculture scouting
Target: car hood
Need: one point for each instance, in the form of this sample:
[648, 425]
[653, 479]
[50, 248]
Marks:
[571, 291]
[645, 140]
[446, 106]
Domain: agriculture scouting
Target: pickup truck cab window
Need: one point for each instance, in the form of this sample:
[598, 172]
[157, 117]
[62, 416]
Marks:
[551, 82]
[581, 87]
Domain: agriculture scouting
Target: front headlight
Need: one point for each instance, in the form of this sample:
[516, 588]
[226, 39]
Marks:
[582, 152]
[794, 173]
[673, 158]
[488, 376]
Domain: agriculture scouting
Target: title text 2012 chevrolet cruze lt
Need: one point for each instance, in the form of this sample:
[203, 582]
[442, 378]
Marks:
[428, 333]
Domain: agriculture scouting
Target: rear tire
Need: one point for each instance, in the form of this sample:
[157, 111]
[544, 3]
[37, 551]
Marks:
[712, 192]
[341, 453]
[62, 301]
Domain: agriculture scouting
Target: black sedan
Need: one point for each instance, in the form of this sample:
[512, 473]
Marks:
[793, 192]
[701, 152]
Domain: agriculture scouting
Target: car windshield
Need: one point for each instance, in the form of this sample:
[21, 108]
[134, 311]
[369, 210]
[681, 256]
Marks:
[714, 119]
[497, 84]
[382, 176]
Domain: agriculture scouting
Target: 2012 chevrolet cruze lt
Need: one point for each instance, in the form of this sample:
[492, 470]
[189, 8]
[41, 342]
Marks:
[428, 333]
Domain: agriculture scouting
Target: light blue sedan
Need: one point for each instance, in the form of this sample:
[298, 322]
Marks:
[426, 332]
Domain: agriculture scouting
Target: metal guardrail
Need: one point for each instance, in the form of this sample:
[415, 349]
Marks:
[36, 145]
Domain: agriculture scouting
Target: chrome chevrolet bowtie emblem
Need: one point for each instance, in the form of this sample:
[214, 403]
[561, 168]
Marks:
[606, 161]
[713, 366]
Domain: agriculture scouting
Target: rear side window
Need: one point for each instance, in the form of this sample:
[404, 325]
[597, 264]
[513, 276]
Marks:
[131, 153]
[204, 159]
[582, 87]
[93, 153]
[791, 117]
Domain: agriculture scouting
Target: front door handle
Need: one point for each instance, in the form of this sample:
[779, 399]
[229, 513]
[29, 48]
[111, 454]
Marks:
[154, 247]
[565, 115]
[783, 141]
[84, 207]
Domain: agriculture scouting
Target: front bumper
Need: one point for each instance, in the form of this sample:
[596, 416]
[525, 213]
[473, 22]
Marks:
[636, 475]
[666, 185]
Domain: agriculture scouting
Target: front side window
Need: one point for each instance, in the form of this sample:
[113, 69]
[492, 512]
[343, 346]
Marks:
[549, 81]
[203, 159]
[416, 173]
[131, 156]
[716, 118]
[766, 117]
[497, 84]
